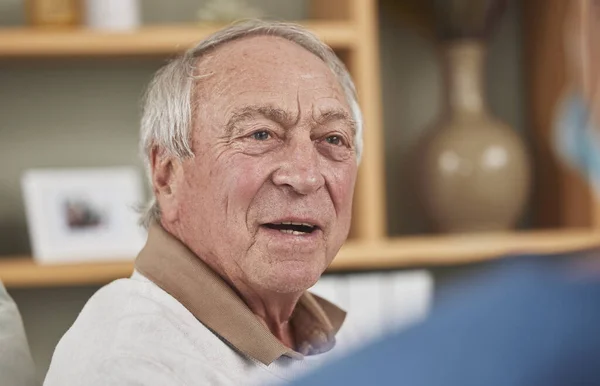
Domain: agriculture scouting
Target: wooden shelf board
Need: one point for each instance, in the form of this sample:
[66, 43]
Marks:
[23, 272]
[149, 40]
[419, 251]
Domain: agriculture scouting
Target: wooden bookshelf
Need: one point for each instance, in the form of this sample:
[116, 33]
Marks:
[23, 272]
[350, 26]
[146, 41]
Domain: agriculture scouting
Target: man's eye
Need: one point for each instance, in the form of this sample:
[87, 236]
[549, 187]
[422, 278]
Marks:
[261, 135]
[334, 140]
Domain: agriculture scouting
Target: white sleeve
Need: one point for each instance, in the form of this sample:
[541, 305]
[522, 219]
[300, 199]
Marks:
[16, 364]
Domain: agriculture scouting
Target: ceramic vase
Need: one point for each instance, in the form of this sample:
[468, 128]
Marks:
[474, 169]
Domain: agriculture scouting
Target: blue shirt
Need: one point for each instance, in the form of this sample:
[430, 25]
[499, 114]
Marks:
[528, 322]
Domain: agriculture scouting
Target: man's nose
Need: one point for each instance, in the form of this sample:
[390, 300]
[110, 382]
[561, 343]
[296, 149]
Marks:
[300, 169]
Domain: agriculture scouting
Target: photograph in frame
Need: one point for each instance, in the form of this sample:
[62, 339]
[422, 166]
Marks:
[83, 215]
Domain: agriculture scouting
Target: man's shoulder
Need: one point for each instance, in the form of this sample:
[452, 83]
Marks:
[132, 320]
[129, 309]
[124, 302]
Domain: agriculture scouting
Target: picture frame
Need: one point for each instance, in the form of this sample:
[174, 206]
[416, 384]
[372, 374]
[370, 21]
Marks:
[83, 214]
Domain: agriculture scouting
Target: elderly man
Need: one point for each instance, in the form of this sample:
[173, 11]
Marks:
[252, 140]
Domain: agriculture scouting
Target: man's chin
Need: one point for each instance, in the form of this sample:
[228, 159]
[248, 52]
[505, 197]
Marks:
[288, 276]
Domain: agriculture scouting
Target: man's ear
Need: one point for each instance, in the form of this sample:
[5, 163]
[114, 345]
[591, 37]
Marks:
[165, 171]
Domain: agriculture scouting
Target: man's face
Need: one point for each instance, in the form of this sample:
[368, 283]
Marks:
[273, 140]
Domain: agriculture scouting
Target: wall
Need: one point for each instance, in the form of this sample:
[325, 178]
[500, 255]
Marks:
[91, 108]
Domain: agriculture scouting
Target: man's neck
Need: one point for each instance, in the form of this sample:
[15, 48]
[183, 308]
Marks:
[274, 310]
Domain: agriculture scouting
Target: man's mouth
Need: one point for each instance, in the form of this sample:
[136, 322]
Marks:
[293, 228]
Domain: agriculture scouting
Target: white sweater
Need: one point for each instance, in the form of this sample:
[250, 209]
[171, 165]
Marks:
[16, 364]
[131, 332]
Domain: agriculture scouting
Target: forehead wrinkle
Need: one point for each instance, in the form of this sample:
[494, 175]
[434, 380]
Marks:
[226, 74]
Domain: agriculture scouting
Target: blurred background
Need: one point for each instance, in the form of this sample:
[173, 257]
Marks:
[458, 168]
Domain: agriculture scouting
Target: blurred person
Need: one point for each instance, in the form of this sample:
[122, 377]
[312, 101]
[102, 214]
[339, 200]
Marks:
[16, 365]
[528, 320]
[252, 141]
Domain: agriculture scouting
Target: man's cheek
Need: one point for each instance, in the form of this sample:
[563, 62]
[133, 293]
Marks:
[237, 194]
[248, 178]
[243, 187]
[342, 191]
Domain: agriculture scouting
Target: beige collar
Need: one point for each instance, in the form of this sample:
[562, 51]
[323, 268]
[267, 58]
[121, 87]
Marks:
[177, 270]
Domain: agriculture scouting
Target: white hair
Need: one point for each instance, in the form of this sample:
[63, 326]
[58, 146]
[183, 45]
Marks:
[167, 110]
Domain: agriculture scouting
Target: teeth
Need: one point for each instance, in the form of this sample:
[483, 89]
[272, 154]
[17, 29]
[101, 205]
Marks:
[291, 232]
[297, 223]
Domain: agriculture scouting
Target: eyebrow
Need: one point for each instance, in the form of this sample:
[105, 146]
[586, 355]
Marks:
[329, 116]
[285, 118]
[272, 113]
